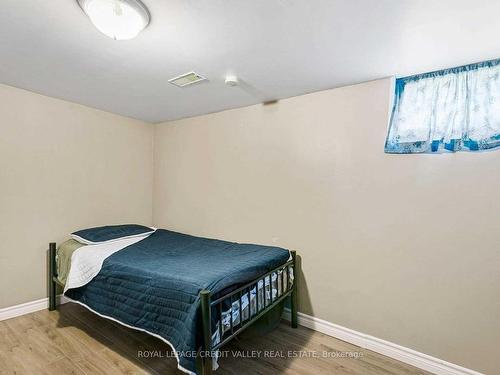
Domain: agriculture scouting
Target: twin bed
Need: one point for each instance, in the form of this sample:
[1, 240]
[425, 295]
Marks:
[195, 294]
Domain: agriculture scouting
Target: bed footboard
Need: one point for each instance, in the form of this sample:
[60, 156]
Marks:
[285, 280]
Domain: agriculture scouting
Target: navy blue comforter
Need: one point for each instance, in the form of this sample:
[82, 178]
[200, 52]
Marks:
[154, 284]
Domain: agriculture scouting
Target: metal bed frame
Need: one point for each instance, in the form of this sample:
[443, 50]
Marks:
[207, 351]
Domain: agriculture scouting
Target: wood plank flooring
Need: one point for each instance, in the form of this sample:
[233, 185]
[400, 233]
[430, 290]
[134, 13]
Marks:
[75, 341]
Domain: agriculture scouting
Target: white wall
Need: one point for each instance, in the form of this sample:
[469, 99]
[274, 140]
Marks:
[402, 247]
[63, 167]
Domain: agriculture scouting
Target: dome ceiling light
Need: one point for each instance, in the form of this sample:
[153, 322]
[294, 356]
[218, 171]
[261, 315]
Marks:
[118, 19]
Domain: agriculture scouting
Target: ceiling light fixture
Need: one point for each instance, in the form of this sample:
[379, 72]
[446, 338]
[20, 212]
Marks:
[118, 19]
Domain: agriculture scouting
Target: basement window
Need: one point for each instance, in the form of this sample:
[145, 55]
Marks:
[455, 109]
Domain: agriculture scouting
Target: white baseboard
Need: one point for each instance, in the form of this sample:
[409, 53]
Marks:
[389, 349]
[28, 307]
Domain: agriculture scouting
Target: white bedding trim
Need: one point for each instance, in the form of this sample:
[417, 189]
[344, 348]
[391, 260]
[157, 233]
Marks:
[86, 261]
[88, 242]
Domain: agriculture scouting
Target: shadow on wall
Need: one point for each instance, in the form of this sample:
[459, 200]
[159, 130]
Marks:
[305, 305]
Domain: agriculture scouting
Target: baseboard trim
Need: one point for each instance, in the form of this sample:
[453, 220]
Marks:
[389, 349]
[28, 307]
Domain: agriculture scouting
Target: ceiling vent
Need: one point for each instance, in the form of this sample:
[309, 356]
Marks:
[186, 79]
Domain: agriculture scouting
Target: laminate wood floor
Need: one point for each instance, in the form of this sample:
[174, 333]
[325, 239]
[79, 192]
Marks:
[73, 340]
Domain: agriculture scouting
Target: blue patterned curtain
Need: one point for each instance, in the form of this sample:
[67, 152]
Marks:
[450, 110]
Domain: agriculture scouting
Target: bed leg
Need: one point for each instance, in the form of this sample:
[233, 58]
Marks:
[206, 320]
[52, 274]
[293, 317]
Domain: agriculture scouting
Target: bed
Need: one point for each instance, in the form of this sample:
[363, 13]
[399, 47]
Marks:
[194, 293]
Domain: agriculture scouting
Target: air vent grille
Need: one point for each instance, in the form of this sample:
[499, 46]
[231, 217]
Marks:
[186, 79]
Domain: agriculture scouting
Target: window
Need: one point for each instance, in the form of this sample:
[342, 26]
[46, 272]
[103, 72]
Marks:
[455, 109]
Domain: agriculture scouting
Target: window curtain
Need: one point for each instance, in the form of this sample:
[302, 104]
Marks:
[455, 109]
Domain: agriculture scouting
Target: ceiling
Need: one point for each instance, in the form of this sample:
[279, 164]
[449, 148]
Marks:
[278, 48]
